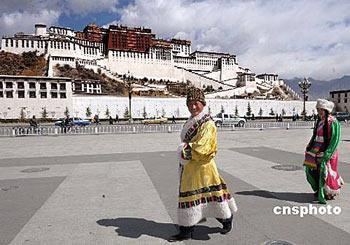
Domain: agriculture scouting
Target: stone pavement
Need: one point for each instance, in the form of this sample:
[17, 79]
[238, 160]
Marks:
[122, 189]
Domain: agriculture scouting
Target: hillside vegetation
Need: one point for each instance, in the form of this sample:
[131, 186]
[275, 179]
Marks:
[26, 64]
[108, 85]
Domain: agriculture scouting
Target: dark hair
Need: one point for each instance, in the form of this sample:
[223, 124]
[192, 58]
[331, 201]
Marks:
[326, 138]
[312, 140]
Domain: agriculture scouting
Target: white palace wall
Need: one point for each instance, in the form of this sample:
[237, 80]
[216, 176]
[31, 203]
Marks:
[177, 106]
[142, 65]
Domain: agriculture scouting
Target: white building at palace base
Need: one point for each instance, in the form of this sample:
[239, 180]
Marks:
[23, 96]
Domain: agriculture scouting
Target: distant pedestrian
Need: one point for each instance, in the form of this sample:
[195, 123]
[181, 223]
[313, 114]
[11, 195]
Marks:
[281, 118]
[173, 119]
[96, 119]
[116, 118]
[66, 124]
[33, 122]
[110, 120]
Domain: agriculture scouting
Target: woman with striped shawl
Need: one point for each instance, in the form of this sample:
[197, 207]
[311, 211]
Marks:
[321, 156]
[202, 192]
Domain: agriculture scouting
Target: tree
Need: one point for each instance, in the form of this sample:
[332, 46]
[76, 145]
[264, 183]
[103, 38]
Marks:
[44, 113]
[222, 109]
[163, 112]
[272, 113]
[66, 112]
[88, 112]
[236, 111]
[209, 110]
[107, 113]
[260, 112]
[126, 112]
[144, 113]
[249, 110]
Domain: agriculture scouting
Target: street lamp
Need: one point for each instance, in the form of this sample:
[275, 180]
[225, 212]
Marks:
[128, 78]
[304, 86]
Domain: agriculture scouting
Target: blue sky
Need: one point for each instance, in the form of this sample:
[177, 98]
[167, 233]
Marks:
[291, 38]
[79, 21]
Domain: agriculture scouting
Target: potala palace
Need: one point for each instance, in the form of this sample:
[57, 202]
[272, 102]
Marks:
[119, 50]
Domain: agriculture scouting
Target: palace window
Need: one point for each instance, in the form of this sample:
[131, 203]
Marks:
[1, 94]
[32, 94]
[63, 95]
[9, 94]
[346, 100]
[20, 85]
[21, 94]
[53, 85]
[8, 84]
[43, 95]
[32, 85]
[42, 85]
[62, 86]
[53, 95]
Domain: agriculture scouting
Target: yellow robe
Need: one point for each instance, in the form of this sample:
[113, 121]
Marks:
[203, 193]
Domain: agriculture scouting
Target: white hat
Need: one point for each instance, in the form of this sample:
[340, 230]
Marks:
[325, 104]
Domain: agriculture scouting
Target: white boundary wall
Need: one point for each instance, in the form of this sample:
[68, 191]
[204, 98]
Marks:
[177, 106]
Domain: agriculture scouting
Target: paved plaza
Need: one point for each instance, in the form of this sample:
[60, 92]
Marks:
[122, 189]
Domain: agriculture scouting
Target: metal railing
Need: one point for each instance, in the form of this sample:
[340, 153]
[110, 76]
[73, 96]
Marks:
[137, 128]
[88, 130]
[269, 125]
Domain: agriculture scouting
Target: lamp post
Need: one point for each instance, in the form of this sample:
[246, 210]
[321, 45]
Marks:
[128, 78]
[304, 87]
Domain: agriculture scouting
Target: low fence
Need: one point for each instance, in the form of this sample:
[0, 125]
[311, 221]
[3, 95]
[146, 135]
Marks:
[137, 129]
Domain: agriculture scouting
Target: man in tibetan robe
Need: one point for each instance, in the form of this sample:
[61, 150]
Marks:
[202, 191]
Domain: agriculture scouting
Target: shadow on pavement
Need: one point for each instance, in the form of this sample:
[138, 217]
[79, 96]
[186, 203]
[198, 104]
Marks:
[136, 227]
[285, 196]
